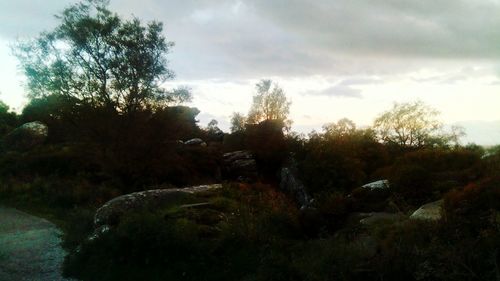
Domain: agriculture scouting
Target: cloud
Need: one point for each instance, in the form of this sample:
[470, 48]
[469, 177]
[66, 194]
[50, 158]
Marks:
[231, 39]
[437, 28]
[340, 91]
[26, 18]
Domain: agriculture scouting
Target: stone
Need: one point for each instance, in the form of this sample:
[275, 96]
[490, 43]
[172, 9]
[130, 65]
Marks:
[291, 184]
[240, 165]
[380, 184]
[430, 211]
[27, 136]
[111, 212]
[195, 142]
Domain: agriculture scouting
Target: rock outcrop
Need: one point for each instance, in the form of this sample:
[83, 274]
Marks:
[240, 165]
[111, 212]
[430, 211]
[291, 184]
[195, 142]
[380, 184]
[27, 136]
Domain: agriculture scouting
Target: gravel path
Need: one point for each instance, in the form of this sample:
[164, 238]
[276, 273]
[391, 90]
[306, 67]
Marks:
[29, 248]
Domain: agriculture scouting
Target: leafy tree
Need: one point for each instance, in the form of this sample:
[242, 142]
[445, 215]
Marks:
[238, 121]
[270, 103]
[8, 119]
[413, 124]
[343, 127]
[212, 125]
[100, 59]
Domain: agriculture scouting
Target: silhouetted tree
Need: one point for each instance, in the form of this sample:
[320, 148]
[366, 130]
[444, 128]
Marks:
[100, 59]
[343, 127]
[270, 103]
[413, 124]
[8, 119]
[238, 122]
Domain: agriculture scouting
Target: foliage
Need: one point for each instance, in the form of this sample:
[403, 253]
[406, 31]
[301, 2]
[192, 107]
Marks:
[413, 124]
[340, 159]
[100, 59]
[267, 141]
[426, 174]
[270, 103]
[230, 235]
[238, 122]
[8, 120]
[342, 128]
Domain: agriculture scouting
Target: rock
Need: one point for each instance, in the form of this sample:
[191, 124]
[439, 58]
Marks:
[216, 134]
[290, 183]
[430, 211]
[240, 165]
[380, 184]
[111, 212]
[377, 217]
[27, 136]
[195, 142]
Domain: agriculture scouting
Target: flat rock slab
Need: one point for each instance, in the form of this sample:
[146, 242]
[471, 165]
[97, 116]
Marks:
[430, 211]
[111, 212]
[30, 248]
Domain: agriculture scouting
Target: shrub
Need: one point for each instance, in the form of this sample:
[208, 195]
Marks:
[412, 182]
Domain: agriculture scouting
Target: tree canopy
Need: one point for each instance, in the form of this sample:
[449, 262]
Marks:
[413, 124]
[270, 103]
[100, 59]
[342, 127]
[238, 121]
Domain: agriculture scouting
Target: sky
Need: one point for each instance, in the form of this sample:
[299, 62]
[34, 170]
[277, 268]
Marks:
[334, 59]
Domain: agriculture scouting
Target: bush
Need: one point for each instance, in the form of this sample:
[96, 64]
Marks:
[223, 241]
[413, 183]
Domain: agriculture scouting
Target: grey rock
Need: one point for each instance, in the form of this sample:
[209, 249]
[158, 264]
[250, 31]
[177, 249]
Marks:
[237, 155]
[430, 211]
[195, 142]
[290, 183]
[240, 165]
[380, 184]
[27, 136]
[111, 212]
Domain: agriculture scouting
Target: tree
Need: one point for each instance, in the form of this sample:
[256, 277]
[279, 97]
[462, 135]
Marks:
[238, 122]
[8, 119]
[343, 127]
[270, 103]
[100, 59]
[412, 124]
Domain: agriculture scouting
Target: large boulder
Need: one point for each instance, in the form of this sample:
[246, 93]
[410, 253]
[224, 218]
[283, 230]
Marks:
[291, 184]
[27, 136]
[195, 142]
[240, 165]
[111, 212]
[430, 211]
[380, 184]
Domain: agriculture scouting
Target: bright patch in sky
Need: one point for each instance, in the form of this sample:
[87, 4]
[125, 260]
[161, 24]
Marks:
[334, 59]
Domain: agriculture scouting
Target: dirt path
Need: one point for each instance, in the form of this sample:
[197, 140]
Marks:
[29, 248]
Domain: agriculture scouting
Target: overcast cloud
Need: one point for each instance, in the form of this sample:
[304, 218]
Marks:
[224, 38]
[356, 53]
